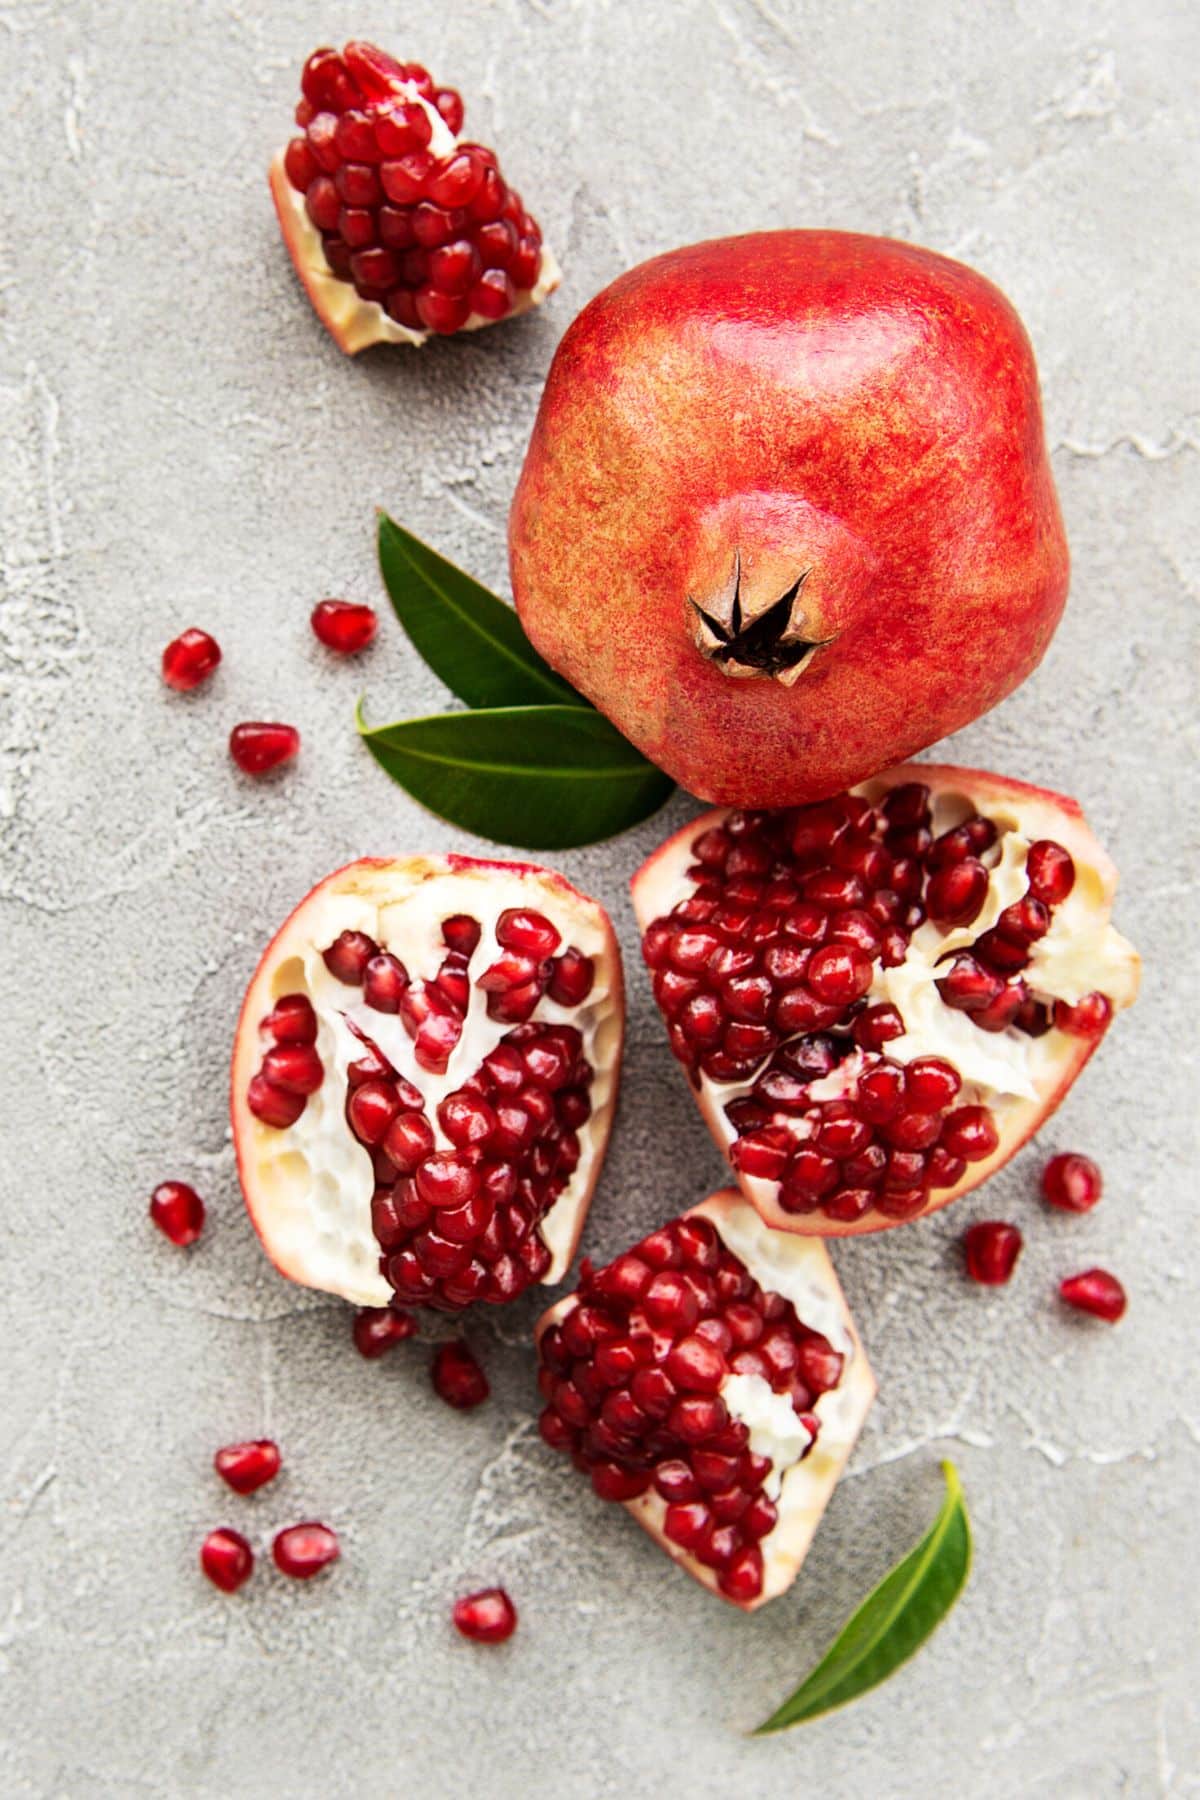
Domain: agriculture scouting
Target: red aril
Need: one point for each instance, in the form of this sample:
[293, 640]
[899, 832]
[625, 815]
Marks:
[178, 1211]
[344, 626]
[862, 1053]
[722, 1425]
[1097, 1292]
[246, 1467]
[226, 1559]
[488, 1617]
[457, 1377]
[420, 1105]
[1072, 1182]
[190, 659]
[378, 1329]
[990, 1250]
[380, 167]
[258, 746]
[302, 1551]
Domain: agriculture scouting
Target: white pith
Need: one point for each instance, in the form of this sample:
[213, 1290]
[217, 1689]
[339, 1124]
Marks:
[358, 323]
[308, 1186]
[800, 1269]
[1019, 1077]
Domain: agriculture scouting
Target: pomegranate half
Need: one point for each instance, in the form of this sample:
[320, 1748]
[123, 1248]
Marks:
[397, 226]
[711, 1379]
[879, 997]
[787, 514]
[424, 1079]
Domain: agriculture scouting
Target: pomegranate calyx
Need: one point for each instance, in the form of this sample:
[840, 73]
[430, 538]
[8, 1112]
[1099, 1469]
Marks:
[772, 642]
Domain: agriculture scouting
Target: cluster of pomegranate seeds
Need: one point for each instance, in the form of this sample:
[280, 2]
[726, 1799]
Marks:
[378, 1329]
[632, 1377]
[247, 1467]
[488, 1617]
[433, 238]
[303, 1550]
[763, 974]
[457, 1377]
[259, 745]
[991, 1249]
[178, 1211]
[1072, 1182]
[344, 626]
[226, 1559]
[190, 659]
[1095, 1291]
[291, 1070]
[459, 1224]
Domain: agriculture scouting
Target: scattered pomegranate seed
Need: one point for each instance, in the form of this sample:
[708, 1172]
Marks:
[344, 626]
[457, 1377]
[190, 659]
[1097, 1292]
[226, 1559]
[1072, 1181]
[257, 746]
[488, 1617]
[248, 1466]
[991, 1249]
[378, 1328]
[302, 1551]
[178, 1211]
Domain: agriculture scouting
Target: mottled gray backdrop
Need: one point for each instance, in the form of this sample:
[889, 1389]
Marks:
[181, 444]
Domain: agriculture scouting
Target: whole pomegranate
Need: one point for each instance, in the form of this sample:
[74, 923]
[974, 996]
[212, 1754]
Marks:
[879, 997]
[711, 1379]
[424, 1080]
[787, 514]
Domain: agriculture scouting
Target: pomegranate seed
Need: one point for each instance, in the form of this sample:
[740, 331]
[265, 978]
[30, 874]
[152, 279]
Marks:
[296, 1068]
[970, 1132]
[1090, 1018]
[344, 625]
[1050, 871]
[488, 1617]
[273, 1105]
[245, 1467]
[348, 955]
[178, 1211]
[449, 103]
[1072, 1182]
[457, 1377]
[257, 746]
[528, 932]
[1097, 1292]
[226, 1559]
[991, 1249]
[292, 1020]
[493, 296]
[190, 659]
[968, 987]
[378, 1328]
[956, 893]
[930, 1084]
[303, 1550]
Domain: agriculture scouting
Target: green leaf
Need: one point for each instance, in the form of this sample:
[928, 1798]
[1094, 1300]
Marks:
[893, 1621]
[466, 635]
[540, 777]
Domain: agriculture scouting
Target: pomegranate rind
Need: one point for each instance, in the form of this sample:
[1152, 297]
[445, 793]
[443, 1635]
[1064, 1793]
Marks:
[355, 324]
[808, 1485]
[272, 1168]
[1109, 963]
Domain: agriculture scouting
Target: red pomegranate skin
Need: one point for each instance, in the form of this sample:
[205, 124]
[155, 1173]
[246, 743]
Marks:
[858, 415]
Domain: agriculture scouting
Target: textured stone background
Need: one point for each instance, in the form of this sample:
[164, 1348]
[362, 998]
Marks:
[181, 444]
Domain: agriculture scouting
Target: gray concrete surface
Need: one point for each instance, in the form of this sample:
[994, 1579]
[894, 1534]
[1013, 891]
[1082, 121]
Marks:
[181, 444]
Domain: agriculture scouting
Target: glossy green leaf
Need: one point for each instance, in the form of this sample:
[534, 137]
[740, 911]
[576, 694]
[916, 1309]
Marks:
[466, 635]
[893, 1621]
[540, 777]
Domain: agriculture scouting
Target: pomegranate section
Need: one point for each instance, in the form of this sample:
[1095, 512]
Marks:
[424, 1080]
[398, 227]
[879, 997]
[711, 1380]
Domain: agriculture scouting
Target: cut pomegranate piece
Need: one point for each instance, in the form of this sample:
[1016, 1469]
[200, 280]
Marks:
[862, 1052]
[178, 1211]
[990, 1250]
[1097, 1292]
[302, 1551]
[396, 226]
[344, 626]
[457, 1376]
[226, 1559]
[488, 1617]
[258, 745]
[1072, 1182]
[711, 1380]
[190, 659]
[420, 1112]
[246, 1467]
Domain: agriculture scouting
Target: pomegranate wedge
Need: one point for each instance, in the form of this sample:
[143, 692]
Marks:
[878, 998]
[424, 1078]
[711, 1379]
